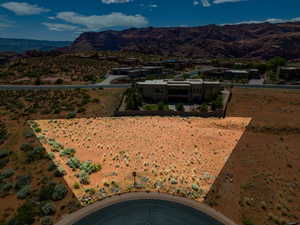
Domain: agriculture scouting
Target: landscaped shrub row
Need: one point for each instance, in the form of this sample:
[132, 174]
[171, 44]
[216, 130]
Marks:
[55, 146]
[83, 177]
[69, 152]
[89, 167]
[86, 168]
[73, 163]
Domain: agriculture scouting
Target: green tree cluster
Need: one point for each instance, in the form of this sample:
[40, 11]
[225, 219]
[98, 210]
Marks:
[133, 99]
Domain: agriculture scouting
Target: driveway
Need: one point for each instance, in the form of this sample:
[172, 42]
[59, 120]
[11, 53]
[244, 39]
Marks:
[146, 209]
[110, 78]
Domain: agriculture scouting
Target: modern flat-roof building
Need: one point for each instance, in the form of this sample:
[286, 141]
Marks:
[173, 90]
[289, 73]
[236, 74]
[137, 71]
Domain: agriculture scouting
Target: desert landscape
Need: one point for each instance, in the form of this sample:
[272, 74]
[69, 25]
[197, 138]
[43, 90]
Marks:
[249, 160]
[28, 178]
[155, 148]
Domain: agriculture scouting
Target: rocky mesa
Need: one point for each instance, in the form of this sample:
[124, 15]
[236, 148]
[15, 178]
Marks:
[263, 40]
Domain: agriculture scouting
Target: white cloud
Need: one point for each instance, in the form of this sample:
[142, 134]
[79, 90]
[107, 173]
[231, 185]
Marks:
[4, 23]
[23, 8]
[271, 20]
[96, 22]
[205, 3]
[153, 5]
[226, 1]
[115, 1]
[195, 2]
[60, 27]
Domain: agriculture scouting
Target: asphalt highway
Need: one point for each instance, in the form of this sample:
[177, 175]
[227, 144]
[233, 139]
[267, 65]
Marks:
[92, 86]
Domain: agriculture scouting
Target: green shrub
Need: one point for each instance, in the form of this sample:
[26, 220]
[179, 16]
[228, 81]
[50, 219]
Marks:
[24, 216]
[203, 108]
[147, 107]
[3, 132]
[67, 152]
[84, 177]
[38, 130]
[71, 115]
[26, 147]
[48, 209]
[3, 163]
[47, 220]
[22, 181]
[4, 153]
[90, 191]
[247, 222]
[81, 110]
[46, 191]
[218, 103]
[28, 134]
[195, 187]
[60, 191]
[59, 81]
[51, 155]
[179, 107]
[36, 154]
[59, 172]
[73, 163]
[161, 106]
[76, 185]
[6, 173]
[5, 187]
[24, 192]
[52, 166]
[133, 99]
[89, 167]
[56, 147]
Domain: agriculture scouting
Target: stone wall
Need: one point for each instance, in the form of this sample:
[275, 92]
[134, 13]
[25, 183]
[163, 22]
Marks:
[217, 113]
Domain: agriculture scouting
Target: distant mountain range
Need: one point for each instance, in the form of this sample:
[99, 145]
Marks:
[263, 40]
[22, 45]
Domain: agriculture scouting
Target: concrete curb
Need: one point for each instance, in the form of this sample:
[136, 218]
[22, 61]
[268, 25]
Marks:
[75, 217]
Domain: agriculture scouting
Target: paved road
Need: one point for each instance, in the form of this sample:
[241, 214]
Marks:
[274, 86]
[146, 209]
[110, 78]
[147, 212]
[256, 81]
[91, 86]
[55, 87]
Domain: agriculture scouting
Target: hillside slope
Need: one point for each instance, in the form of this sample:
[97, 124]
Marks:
[22, 45]
[245, 40]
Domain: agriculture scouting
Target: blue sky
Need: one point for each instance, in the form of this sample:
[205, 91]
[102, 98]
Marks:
[66, 19]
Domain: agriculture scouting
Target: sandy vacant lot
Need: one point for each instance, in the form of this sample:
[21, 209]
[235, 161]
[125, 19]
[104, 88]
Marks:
[168, 154]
